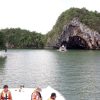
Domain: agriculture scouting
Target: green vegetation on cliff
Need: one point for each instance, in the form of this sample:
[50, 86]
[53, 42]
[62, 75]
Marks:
[18, 38]
[89, 18]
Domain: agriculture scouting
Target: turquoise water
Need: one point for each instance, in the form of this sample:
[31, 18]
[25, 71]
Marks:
[76, 73]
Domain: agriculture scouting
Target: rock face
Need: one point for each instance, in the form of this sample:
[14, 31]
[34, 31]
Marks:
[76, 35]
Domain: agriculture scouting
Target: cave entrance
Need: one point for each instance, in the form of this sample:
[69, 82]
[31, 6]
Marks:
[76, 42]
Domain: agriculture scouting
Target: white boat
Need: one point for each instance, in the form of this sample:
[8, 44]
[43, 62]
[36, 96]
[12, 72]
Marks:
[3, 54]
[25, 93]
[62, 49]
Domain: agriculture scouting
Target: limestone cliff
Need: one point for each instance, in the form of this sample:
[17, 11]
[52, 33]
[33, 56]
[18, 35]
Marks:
[76, 29]
[76, 35]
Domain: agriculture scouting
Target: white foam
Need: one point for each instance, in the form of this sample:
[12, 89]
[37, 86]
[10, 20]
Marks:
[25, 93]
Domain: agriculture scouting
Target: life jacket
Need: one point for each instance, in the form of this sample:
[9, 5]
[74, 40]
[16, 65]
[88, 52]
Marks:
[35, 96]
[6, 96]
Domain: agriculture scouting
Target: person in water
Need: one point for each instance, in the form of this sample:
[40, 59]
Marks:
[53, 96]
[5, 94]
[36, 95]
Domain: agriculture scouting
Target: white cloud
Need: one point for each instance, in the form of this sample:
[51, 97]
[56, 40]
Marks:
[38, 15]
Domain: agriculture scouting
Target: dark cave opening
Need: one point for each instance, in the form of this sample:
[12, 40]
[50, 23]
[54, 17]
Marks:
[75, 42]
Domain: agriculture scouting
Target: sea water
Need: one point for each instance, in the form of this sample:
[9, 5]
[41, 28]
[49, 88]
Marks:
[75, 73]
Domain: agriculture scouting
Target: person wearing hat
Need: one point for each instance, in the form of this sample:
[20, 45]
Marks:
[36, 95]
[5, 94]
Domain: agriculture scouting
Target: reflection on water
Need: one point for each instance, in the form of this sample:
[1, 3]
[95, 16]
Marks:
[2, 67]
[76, 74]
[2, 64]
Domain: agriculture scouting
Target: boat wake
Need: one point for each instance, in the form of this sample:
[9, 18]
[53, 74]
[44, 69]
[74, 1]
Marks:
[25, 93]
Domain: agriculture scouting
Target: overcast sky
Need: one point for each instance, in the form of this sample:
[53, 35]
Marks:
[38, 15]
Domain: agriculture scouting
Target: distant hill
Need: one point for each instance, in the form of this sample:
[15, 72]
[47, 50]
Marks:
[19, 38]
[89, 18]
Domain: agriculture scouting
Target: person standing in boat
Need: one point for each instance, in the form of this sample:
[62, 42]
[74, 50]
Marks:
[53, 96]
[36, 95]
[5, 94]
